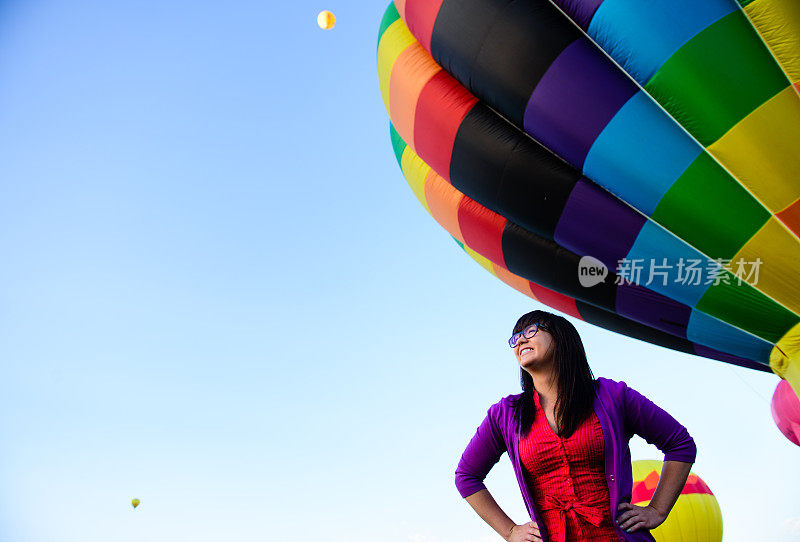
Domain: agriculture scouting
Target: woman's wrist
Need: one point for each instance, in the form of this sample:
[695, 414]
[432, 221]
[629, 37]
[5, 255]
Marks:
[662, 517]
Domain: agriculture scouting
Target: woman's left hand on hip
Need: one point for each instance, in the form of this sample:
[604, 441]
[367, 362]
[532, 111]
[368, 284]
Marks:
[632, 518]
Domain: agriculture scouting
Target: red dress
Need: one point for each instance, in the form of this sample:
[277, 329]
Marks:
[568, 480]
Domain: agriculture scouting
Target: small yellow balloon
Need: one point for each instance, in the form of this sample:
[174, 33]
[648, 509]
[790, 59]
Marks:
[326, 20]
[135, 502]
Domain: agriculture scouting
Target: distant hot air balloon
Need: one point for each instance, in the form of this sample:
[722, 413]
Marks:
[786, 411]
[326, 20]
[135, 503]
[696, 516]
[655, 195]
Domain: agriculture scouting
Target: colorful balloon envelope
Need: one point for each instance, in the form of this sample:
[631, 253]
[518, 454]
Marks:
[135, 503]
[631, 164]
[785, 408]
[696, 516]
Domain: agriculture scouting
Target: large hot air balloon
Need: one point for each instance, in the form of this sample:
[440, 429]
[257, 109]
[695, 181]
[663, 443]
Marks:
[633, 165]
[786, 412]
[135, 502]
[696, 516]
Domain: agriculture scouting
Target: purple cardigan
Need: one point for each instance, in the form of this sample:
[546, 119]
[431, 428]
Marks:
[622, 412]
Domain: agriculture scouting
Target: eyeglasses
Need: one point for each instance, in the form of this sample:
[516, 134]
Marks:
[528, 333]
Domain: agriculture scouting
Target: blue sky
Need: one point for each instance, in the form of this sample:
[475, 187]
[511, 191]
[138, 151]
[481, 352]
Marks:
[220, 296]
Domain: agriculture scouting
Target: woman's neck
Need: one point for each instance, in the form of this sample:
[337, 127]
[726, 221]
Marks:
[546, 386]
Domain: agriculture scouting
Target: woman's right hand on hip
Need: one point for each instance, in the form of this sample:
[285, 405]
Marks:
[527, 532]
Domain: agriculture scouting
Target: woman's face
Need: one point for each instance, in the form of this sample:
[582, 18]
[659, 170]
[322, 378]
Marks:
[534, 351]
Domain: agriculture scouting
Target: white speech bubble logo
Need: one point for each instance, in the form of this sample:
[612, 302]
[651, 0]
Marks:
[591, 271]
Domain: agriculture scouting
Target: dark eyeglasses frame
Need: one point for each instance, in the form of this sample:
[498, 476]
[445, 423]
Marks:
[529, 332]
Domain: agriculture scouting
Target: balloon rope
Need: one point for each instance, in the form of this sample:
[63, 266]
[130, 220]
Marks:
[748, 384]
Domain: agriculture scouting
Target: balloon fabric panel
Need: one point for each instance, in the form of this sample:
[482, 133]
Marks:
[761, 318]
[483, 230]
[791, 216]
[592, 222]
[764, 150]
[510, 174]
[702, 192]
[776, 245]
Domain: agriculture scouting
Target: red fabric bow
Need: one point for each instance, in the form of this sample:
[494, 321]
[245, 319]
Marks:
[591, 512]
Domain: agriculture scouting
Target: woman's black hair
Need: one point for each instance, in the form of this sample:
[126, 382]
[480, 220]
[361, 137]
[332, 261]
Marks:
[574, 380]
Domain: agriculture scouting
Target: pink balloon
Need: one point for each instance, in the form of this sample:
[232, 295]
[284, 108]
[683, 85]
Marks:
[786, 411]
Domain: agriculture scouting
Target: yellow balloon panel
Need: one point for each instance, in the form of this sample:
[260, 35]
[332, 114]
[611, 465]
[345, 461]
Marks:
[760, 149]
[415, 171]
[696, 516]
[785, 358]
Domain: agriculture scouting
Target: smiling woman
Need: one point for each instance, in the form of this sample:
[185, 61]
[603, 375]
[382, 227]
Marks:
[567, 436]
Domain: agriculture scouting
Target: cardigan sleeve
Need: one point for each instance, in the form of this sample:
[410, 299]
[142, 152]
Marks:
[656, 426]
[482, 453]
